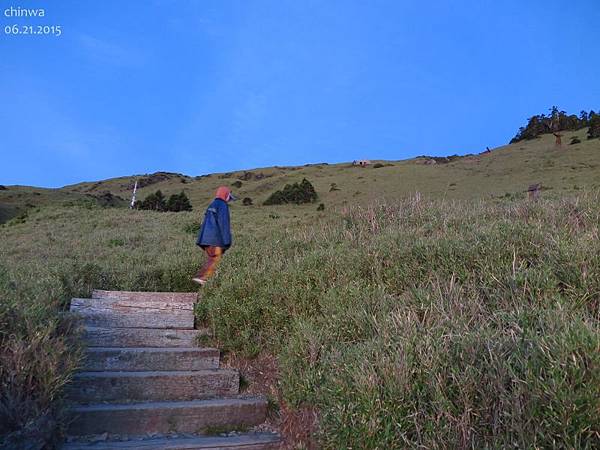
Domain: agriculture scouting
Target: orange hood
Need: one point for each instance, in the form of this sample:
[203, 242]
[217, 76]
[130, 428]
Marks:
[223, 192]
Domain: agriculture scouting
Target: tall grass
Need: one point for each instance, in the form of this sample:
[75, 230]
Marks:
[45, 260]
[429, 324]
[413, 324]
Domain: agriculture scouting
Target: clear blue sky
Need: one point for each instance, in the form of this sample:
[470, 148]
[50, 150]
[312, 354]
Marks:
[203, 86]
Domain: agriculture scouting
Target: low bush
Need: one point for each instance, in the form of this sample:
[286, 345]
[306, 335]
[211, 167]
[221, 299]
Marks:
[157, 202]
[297, 193]
[594, 130]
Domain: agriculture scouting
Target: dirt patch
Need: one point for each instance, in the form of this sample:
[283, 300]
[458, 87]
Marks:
[297, 427]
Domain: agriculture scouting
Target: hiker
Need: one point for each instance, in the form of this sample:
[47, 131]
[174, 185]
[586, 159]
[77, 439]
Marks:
[215, 235]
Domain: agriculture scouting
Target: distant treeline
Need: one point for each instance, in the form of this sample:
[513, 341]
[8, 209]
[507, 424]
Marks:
[558, 121]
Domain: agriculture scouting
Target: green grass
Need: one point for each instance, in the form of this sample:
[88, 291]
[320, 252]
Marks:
[413, 324]
[462, 317]
[428, 324]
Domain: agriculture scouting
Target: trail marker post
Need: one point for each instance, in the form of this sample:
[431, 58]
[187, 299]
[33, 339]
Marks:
[133, 196]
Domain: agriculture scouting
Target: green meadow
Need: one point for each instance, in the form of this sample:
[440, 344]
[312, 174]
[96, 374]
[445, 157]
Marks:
[427, 306]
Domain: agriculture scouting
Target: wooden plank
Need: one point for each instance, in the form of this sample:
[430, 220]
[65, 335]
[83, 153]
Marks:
[133, 303]
[122, 313]
[249, 441]
[152, 359]
[90, 387]
[141, 337]
[173, 297]
[164, 417]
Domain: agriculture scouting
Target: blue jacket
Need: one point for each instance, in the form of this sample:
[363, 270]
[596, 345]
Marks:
[215, 228]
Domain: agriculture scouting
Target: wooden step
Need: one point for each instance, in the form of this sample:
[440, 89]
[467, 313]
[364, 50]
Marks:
[91, 387]
[171, 297]
[249, 441]
[166, 417]
[140, 337]
[152, 359]
[125, 313]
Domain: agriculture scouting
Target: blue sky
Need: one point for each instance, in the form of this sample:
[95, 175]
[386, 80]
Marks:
[204, 86]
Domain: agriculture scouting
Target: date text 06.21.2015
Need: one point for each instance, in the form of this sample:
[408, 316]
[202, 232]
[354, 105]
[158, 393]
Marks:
[33, 30]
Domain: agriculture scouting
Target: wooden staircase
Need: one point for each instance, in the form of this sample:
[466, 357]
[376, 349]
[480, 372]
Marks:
[146, 385]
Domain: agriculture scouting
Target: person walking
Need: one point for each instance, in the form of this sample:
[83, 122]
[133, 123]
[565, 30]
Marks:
[215, 233]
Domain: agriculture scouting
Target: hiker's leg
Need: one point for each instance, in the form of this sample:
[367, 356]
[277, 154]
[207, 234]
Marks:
[213, 256]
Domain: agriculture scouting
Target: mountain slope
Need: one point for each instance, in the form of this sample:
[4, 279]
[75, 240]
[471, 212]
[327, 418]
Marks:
[506, 171]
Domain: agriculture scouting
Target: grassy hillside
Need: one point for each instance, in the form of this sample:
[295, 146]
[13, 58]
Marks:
[465, 317]
[419, 324]
[506, 171]
[18, 200]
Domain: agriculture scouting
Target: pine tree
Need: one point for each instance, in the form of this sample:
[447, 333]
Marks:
[179, 202]
[594, 122]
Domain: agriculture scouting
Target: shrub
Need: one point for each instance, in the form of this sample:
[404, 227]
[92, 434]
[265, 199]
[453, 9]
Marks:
[594, 130]
[297, 193]
[237, 184]
[247, 201]
[156, 202]
[321, 207]
[179, 202]
[153, 202]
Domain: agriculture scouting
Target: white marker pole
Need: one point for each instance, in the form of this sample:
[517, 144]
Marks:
[133, 196]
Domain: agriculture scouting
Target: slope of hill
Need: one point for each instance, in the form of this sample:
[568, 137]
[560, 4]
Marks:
[416, 323]
[506, 171]
[17, 200]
